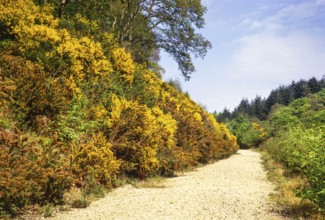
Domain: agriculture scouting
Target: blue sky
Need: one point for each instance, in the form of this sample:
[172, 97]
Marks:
[257, 46]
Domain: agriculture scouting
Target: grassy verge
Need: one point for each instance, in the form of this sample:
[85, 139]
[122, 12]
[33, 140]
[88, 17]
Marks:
[154, 182]
[287, 187]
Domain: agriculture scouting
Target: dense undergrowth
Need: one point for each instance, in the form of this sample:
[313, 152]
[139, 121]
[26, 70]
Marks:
[77, 111]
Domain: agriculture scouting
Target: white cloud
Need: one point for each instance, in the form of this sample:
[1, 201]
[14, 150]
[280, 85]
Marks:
[299, 15]
[279, 47]
[267, 56]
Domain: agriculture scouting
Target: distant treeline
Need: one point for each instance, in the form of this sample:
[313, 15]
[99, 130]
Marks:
[283, 95]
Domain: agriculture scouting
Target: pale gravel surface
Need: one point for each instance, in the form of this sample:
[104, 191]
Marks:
[234, 188]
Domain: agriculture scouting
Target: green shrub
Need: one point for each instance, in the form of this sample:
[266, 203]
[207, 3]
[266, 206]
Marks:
[303, 151]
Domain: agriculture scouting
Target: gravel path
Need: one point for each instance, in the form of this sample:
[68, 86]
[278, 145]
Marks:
[234, 188]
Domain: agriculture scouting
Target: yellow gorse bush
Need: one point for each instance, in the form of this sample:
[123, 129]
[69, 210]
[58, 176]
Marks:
[95, 159]
[168, 154]
[134, 133]
[32, 25]
[29, 23]
[85, 55]
[123, 63]
[97, 114]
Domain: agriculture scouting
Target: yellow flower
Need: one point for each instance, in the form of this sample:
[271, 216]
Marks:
[122, 62]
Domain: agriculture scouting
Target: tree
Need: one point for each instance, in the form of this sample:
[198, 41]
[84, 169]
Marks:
[223, 116]
[243, 108]
[301, 89]
[258, 108]
[314, 85]
[143, 26]
[272, 99]
[174, 24]
[286, 94]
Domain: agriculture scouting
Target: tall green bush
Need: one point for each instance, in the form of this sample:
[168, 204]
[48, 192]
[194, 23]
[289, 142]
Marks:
[298, 142]
[303, 151]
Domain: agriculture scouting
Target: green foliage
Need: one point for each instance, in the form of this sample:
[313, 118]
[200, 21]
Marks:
[298, 143]
[308, 112]
[302, 152]
[249, 134]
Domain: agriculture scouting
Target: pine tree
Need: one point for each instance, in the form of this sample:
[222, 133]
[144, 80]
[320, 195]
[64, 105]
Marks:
[301, 89]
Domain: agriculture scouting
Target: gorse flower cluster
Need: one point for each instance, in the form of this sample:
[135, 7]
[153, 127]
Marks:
[77, 111]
